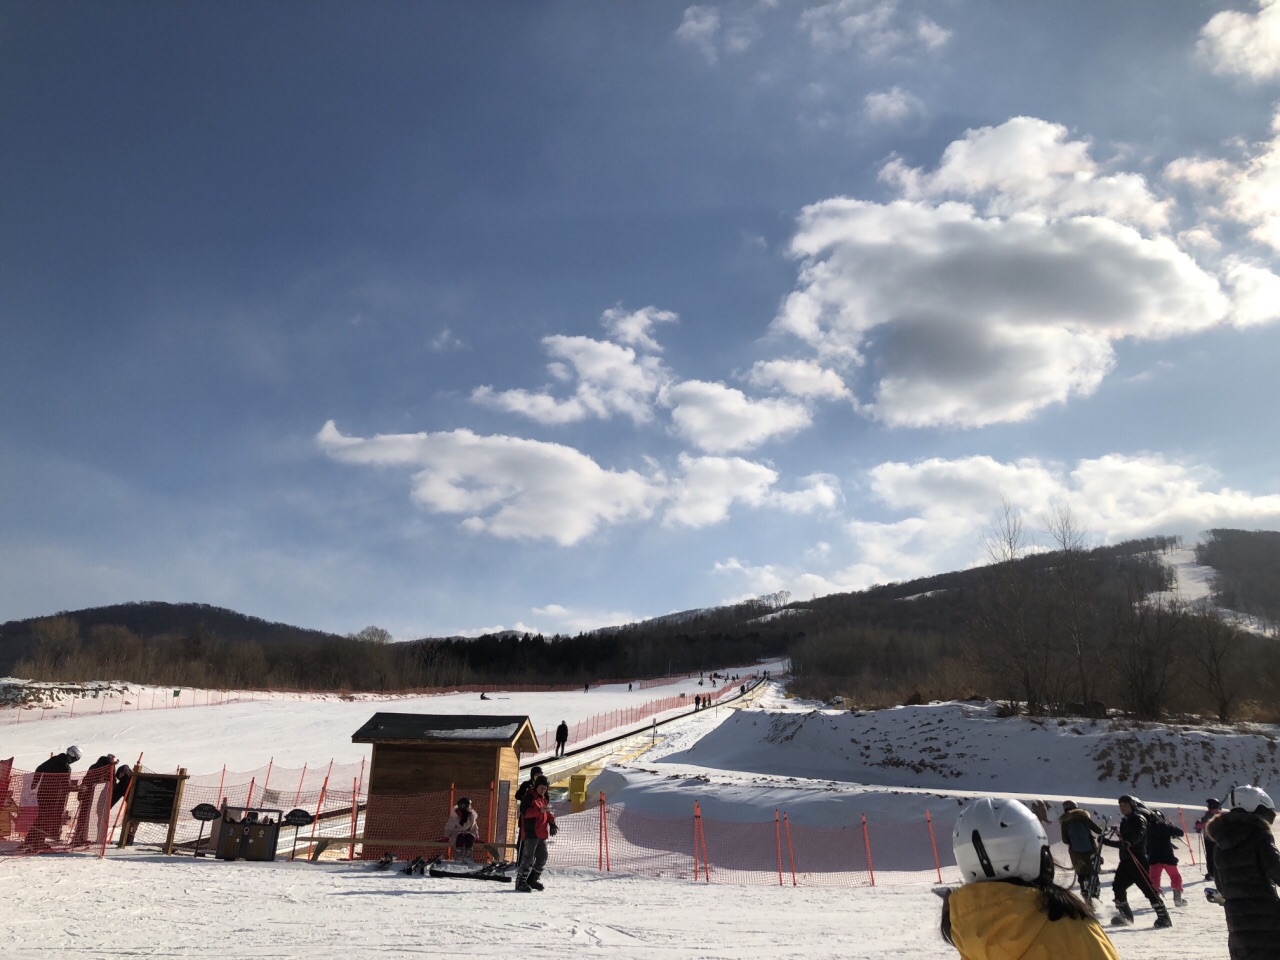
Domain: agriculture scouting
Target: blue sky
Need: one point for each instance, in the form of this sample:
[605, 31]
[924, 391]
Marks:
[547, 316]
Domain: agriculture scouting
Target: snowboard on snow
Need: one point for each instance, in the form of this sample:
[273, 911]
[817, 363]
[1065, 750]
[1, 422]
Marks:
[463, 871]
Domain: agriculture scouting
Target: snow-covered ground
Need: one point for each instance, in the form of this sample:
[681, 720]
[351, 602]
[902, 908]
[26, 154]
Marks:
[821, 767]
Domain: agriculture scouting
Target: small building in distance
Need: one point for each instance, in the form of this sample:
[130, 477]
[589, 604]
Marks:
[423, 761]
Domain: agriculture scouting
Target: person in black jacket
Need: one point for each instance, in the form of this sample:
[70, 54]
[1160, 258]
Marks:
[1160, 837]
[100, 773]
[1213, 807]
[53, 784]
[1247, 866]
[562, 737]
[523, 791]
[1134, 868]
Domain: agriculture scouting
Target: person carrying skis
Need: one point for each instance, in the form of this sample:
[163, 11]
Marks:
[537, 824]
[1009, 906]
[1134, 868]
[1213, 807]
[1160, 837]
[461, 829]
[1080, 834]
[1247, 866]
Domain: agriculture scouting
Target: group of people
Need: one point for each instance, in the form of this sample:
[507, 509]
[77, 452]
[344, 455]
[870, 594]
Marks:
[53, 787]
[1010, 905]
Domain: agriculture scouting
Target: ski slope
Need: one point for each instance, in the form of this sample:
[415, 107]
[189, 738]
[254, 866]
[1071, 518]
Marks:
[738, 764]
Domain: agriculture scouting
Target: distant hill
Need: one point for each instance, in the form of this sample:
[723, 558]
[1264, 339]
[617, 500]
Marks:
[1246, 566]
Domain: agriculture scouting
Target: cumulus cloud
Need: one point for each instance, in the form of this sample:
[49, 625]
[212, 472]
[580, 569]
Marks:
[507, 487]
[877, 28]
[1243, 44]
[1245, 191]
[610, 379]
[633, 327]
[947, 506]
[801, 378]
[997, 285]
[891, 106]
[719, 419]
[708, 487]
[709, 32]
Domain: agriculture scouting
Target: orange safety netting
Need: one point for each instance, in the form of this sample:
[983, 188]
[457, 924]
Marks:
[53, 812]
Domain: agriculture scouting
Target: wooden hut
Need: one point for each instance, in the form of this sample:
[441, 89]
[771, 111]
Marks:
[422, 762]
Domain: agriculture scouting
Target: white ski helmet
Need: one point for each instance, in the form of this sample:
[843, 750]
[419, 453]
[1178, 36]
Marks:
[73, 752]
[1250, 798]
[1000, 839]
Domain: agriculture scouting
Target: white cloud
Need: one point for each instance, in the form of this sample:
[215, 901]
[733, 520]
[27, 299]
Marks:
[948, 506]
[1256, 291]
[445, 340]
[633, 327]
[891, 106]
[506, 486]
[566, 621]
[611, 379]
[873, 26]
[709, 486]
[988, 308]
[801, 378]
[1245, 192]
[720, 419]
[1027, 165]
[1242, 44]
[700, 28]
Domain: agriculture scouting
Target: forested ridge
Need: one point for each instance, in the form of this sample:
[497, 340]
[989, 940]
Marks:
[1061, 631]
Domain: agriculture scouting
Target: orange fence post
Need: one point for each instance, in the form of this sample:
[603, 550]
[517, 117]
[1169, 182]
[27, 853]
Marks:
[301, 779]
[270, 763]
[777, 836]
[355, 805]
[120, 812]
[697, 816]
[249, 800]
[324, 788]
[603, 842]
[1190, 846]
[934, 843]
[866, 839]
[791, 854]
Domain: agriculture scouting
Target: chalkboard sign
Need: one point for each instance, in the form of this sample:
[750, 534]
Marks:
[154, 797]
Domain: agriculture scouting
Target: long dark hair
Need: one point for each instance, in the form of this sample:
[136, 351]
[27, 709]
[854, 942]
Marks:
[1057, 901]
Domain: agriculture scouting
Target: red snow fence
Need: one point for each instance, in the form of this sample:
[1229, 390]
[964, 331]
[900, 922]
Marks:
[53, 812]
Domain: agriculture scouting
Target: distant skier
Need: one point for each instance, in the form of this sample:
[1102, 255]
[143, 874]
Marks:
[1247, 866]
[1134, 868]
[1080, 834]
[461, 829]
[562, 738]
[1009, 905]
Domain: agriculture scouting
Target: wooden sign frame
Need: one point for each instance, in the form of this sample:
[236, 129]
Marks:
[164, 787]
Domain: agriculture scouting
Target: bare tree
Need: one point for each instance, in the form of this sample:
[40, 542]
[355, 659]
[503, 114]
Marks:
[1214, 647]
[1073, 601]
[1149, 640]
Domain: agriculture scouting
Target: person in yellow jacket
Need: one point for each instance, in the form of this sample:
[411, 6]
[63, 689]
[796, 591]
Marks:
[1009, 907]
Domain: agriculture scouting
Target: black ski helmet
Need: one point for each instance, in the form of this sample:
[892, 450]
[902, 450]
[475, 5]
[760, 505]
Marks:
[464, 802]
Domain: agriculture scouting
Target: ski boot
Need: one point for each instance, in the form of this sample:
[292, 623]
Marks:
[1178, 899]
[1124, 916]
[534, 882]
[1163, 921]
[522, 886]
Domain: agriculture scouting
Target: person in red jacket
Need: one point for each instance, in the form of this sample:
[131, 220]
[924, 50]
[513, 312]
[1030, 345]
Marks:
[537, 823]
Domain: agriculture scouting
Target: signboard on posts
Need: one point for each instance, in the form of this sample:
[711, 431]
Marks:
[153, 798]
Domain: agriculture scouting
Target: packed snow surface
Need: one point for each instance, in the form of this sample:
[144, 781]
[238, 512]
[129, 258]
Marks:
[823, 767]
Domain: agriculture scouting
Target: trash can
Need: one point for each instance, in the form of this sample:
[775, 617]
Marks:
[248, 833]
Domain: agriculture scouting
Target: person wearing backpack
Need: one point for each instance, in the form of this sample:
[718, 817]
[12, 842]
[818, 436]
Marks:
[1080, 834]
[1134, 869]
[1160, 837]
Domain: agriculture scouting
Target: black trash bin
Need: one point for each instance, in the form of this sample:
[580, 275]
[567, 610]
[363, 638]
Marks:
[248, 833]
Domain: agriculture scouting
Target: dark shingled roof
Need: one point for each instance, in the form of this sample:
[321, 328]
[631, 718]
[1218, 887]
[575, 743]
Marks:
[425, 727]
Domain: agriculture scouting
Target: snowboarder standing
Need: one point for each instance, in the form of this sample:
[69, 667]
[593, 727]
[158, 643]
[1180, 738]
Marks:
[1009, 905]
[537, 823]
[1080, 834]
[1247, 866]
[562, 737]
[1134, 868]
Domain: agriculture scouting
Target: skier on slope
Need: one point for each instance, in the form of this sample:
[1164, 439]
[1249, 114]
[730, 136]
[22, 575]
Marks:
[1134, 868]
[1009, 907]
[1160, 836]
[1247, 866]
